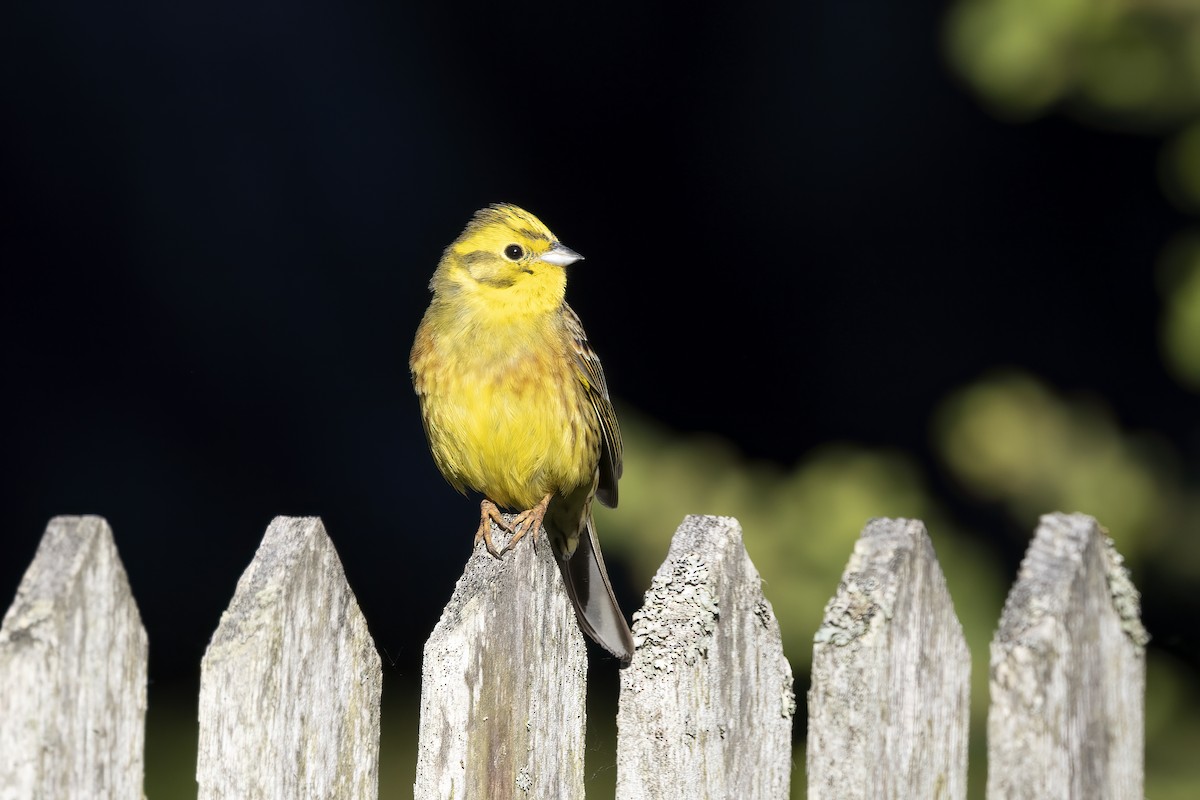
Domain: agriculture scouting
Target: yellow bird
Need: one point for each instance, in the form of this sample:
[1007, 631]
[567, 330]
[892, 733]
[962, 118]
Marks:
[515, 405]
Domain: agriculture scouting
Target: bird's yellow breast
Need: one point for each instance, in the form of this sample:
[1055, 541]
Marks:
[510, 419]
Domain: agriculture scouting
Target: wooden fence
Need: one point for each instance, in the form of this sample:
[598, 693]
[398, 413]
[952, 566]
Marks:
[290, 686]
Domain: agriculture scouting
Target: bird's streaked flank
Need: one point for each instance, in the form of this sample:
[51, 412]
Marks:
[515, 404]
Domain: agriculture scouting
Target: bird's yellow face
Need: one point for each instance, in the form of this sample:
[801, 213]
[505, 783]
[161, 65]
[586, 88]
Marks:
[506, 254]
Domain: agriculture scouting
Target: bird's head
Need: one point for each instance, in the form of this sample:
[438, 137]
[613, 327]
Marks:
[506, 254]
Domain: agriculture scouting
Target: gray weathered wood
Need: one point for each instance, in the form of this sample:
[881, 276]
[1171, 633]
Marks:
[73, 672]
[1068, 672]
[889, 704]
[503, 684]
[290, 684]
[707, 703]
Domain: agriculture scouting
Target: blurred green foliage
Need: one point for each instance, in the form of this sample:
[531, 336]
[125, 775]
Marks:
[1179, 168]
[1009, 439]
[1180, 282]
[1130, 64]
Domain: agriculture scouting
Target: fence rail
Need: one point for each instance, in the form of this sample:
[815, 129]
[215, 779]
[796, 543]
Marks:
[290, 687]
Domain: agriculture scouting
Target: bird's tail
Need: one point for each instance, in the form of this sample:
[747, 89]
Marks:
[591, 592]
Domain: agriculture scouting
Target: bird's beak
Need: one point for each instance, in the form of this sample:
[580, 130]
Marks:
[560, 255]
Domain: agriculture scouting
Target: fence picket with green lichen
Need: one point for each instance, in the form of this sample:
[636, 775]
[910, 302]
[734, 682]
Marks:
[290, 690]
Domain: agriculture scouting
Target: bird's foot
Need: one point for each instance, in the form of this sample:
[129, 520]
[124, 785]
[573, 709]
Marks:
[489, 512]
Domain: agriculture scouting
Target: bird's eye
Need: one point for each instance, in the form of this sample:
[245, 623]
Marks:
[513, 252]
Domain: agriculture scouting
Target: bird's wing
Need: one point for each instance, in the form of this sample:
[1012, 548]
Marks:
[591, 375]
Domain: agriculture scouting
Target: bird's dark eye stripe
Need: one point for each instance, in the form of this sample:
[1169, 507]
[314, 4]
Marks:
[514, 251]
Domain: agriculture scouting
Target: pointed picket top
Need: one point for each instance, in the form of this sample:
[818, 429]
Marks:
[889, 702]
[73, 672]
[1068, 672]
[290, 685]
[707, 703]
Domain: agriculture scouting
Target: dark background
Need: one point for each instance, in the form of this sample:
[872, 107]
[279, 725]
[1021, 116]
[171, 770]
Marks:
[217, 223]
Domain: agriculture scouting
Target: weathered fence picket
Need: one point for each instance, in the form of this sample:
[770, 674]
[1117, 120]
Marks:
[504, 684]
[888, 711]
[290, 692]
[73, 672]
[1068, 672]
[707, 703]
[290, 685]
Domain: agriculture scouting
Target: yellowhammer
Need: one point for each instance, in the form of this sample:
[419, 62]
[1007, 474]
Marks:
[515, 405]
